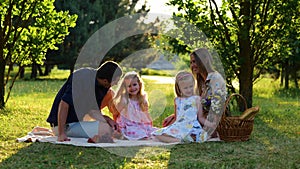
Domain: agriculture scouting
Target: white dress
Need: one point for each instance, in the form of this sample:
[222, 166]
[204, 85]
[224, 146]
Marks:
[186, 122]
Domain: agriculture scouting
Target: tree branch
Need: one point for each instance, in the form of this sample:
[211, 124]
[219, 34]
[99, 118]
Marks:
[227, 34]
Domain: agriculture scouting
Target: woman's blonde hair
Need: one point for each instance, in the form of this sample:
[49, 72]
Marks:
[204, 62]
[181, 76]
[122, 94]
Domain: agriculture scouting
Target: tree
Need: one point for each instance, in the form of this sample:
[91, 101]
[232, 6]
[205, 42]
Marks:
[92, 15]
[245, 33]
[28, 28]
[290, 45]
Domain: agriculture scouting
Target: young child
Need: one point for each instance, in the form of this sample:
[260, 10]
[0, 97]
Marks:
[131, 101]
[188, 113]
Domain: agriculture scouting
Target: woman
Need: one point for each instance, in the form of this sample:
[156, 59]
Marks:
[211, 87]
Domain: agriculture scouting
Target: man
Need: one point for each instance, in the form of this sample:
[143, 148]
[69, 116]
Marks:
[85, 92]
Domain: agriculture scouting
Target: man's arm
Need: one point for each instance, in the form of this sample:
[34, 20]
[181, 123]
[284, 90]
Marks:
[108, 101]
[62, 118]
[97, 115]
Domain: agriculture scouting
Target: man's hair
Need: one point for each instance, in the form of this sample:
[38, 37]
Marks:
[109, 70]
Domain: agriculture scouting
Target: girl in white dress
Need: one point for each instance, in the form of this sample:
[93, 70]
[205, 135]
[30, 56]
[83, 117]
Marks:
[188, 113]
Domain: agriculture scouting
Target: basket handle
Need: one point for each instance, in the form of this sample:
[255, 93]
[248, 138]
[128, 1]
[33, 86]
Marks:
[229, 98]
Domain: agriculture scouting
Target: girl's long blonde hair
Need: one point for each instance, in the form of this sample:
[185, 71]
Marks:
[122, 94]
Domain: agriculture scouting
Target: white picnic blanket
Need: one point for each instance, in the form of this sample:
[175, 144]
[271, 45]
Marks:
[40, 134]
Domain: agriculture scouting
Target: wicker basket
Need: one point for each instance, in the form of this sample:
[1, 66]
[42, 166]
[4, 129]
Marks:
[235, 128]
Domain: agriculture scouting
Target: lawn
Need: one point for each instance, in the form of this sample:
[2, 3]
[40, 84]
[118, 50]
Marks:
[274, 142]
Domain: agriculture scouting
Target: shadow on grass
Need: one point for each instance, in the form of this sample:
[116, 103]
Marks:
[288, 93]
[274, 143]
[47, 155]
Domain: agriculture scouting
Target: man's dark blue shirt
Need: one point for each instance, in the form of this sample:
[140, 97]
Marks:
[83, 95]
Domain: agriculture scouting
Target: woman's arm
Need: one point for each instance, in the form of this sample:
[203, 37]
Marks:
[170, 119]
[200, 115]
[218, 94]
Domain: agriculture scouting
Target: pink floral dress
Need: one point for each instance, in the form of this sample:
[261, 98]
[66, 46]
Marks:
[134, 123]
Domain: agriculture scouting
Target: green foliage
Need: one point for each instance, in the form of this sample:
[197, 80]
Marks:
[36, 27]
[249, 36]
[28, 29]
[93, 15]
[274, 141]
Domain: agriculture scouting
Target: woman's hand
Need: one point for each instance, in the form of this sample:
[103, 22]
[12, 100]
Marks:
[169, 120]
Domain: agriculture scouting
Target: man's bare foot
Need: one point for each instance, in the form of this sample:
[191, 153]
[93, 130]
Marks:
[106, 138]
[118, 135]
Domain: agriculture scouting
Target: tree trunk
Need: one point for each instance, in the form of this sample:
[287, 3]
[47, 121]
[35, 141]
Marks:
[294, 73]
[296, 81]
[245, 56]
[286, 74]
[22, 72]
[33, 71]
[282, 74]
[2, 67]
[2, 84]
[48, 68]
[39, 68]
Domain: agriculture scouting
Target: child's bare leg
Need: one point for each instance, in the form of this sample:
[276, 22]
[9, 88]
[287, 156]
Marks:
[167, 139]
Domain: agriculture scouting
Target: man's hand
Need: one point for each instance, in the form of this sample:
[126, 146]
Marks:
[111, 123]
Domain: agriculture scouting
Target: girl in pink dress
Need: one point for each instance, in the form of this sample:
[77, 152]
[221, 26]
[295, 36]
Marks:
[131, 101]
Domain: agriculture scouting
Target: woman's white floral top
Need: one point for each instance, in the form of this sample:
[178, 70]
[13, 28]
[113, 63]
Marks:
[213, 98]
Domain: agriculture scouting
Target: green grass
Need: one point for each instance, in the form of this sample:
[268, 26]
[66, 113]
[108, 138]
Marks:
[147, 71]
[274, 142]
